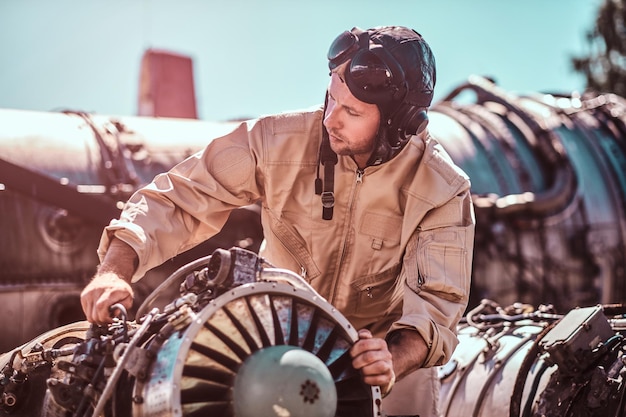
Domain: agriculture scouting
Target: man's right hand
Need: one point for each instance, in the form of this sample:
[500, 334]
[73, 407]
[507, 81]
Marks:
[104, 290]
[111, 284]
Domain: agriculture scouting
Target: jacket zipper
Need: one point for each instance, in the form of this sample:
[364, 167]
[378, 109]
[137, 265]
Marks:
[359, 176]
[359, 179]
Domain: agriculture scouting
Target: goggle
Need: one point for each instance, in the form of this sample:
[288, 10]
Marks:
[373, 75]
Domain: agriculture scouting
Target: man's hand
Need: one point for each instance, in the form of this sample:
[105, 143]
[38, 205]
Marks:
[111, 284]
[372, 357]
[101, 293]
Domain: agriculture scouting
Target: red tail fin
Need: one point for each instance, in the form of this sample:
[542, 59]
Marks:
[166, 86]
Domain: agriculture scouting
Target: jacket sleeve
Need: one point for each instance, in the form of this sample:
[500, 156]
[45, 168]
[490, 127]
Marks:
[437, 269]
[190, 203]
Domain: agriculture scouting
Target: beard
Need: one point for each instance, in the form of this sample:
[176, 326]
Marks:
[346, 147]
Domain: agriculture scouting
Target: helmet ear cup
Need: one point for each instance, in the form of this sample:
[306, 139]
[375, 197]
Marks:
[409, 120]
[395, 134]
[417, 123]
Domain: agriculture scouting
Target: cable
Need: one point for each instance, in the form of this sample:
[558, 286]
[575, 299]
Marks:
[119, 368]
[176, 276]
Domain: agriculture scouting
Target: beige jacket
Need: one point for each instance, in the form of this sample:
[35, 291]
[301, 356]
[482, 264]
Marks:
[396, 254]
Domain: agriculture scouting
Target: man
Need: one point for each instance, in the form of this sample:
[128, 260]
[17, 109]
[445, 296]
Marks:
[357, 197]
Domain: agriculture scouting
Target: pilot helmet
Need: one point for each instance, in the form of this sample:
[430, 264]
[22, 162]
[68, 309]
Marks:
[394, 68]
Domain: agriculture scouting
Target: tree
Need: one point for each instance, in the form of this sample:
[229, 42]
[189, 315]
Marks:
[605, 66]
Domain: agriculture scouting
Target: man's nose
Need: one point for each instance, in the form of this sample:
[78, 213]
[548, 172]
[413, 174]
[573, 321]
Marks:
[330, 118]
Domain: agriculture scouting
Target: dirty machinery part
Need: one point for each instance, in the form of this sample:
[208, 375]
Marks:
[243, 338]
[518, 361]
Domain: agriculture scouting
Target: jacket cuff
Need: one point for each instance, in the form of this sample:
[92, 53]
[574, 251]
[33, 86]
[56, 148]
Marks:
[440, 340]
[133, 236]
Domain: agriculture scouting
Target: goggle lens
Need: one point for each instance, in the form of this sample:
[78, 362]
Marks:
[373, 75]
[341, 48]
[370, 73]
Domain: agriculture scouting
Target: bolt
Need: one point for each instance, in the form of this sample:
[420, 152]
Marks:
[9, 399]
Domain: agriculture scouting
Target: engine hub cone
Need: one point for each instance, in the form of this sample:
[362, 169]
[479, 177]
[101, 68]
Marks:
[284, 381]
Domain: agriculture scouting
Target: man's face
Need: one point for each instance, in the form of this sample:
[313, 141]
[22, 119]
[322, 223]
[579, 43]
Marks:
[352, 124]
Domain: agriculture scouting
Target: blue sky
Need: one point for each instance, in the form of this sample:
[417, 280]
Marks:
[259, 57]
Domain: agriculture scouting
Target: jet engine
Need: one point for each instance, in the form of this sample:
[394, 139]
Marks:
[242, 338]
[519, 361]
[548, 179]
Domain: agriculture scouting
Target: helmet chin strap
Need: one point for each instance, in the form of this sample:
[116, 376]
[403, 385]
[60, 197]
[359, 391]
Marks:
[328, 158]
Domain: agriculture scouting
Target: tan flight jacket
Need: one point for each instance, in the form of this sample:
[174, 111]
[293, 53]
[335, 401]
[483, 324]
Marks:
[396, 254]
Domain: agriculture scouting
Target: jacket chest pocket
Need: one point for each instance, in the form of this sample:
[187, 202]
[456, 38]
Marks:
[374, 295]
[295, 245]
